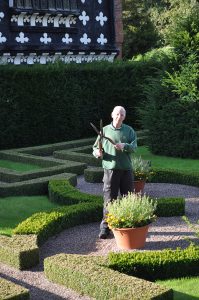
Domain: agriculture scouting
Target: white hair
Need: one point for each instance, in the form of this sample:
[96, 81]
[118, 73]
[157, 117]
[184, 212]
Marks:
[119, 108]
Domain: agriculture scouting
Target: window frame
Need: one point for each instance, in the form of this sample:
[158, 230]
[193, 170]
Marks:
[56, 10]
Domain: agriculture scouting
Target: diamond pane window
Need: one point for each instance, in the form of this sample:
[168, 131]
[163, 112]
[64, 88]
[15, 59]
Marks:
[36, 4]
[44, 4]
[51, 4]
[66, 4]
[73, 4]
[20, 4]
[59, 5]
[27, 4]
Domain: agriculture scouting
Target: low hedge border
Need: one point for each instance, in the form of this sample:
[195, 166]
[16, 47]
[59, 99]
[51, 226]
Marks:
[50, 148]
[153, 265]
[34, 182]
[19, 251]
[95, 175]
[77, 156]
[81, 209]
[174, 176]
[38, 186]
[170, 207]
[91, 276]
[10, 176]
[12, 291]
[46, 224]
[62, 192]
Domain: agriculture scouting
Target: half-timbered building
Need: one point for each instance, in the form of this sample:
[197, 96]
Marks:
[42, 31]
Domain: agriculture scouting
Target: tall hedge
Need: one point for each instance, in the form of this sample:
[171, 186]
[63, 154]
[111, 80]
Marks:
[172, 123]
[51, 103]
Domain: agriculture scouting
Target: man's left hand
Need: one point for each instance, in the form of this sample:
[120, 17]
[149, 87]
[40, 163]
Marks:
[119, 146]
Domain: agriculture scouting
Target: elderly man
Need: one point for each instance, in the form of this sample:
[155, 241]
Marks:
[116, 161]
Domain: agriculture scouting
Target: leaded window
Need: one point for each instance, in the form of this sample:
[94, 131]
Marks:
[59, 5]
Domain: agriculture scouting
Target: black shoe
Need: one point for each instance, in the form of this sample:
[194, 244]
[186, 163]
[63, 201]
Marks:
[104, 233]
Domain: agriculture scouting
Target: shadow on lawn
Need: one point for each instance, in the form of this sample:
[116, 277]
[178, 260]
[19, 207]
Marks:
[183, 296]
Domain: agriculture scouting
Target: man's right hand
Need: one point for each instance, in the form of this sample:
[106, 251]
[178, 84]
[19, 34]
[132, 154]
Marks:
[99, 153]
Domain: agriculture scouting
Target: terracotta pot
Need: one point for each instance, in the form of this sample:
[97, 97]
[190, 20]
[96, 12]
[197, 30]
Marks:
[131, 238]
[138, 186]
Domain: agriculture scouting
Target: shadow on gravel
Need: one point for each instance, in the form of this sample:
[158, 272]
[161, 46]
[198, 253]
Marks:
[35, 292]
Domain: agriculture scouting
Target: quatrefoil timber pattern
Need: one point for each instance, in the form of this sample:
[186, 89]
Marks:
[44, 31]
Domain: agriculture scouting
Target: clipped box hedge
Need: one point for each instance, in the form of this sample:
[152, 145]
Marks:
[46, 224]
[19, 251]
[62, 192]
[175, 176]
[95, 175]
[44, 150]
[78, 156]
[90, 276]
[10, 176]
[38, 186]
[170, 207]
[12, 291]
[153, 265]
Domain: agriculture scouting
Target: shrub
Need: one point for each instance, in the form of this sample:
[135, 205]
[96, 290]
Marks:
[133, 210]
[42, 106]
[12, 291]
[47, 224]
[170, 207]
[90, 276]
[62, 192]
[152, 265]
[20, 252]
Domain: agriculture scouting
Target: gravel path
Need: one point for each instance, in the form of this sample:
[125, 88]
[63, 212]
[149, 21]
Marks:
[164, 233]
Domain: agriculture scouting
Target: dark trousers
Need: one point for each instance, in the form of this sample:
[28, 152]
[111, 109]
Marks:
[115, 181]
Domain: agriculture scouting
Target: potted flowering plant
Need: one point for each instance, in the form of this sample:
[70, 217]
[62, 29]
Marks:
[142, 172]
[129, 219]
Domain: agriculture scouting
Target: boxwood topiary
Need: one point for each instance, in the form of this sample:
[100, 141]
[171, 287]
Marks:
[12, 291]
[153, 265]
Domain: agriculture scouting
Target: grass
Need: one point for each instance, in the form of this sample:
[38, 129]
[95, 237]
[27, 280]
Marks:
[184, 288]
[17, 166]
[165, 162]
[14, 210]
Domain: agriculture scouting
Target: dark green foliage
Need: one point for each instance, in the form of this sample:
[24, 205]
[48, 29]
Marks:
[77, 156]
[171, 111]
[37, 186]
[159, 175]
[61, 191]
[174, 176]
[169, 207]
[165, 14]
[153, 265]
[58, 102]
[183, 36]
[89, 275]
[12, 291]
[140, 34]
[172, 122]
[93, 175]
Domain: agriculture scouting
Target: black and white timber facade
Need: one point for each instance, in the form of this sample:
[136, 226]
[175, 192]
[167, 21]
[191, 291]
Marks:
[42, 31]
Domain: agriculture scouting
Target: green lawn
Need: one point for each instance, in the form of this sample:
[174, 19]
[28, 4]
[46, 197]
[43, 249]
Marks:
[184, 288]
[18, 166]
[165, 162]
[14, 210]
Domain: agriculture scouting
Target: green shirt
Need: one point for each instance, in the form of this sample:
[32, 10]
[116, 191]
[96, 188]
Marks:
[112, 158]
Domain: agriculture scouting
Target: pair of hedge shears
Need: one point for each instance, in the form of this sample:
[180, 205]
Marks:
[101, 135]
